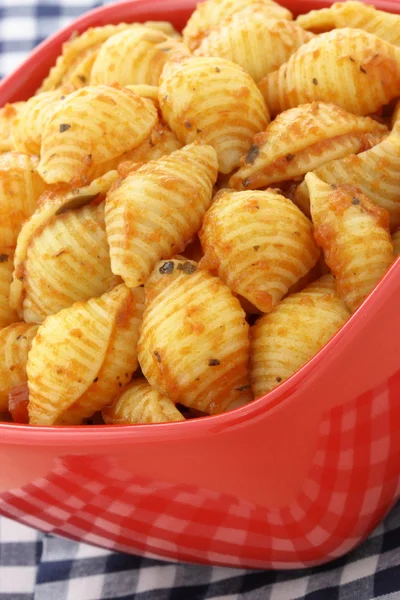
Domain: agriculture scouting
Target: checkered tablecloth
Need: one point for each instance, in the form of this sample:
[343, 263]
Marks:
[35, 566]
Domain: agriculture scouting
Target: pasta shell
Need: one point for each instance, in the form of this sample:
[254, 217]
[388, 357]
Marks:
[215, 101]
[193, 343]
[31, 119]
[348, 67]
[356, 15]
[8, 114]
[133, 56]
[255, 42]
[68, 260]
[92, 346]
[300, 140]
[145, 91]
[93, 125]
[396, 242]
[354, 235]
[140, 403]
[15, 343]
[259, 243]
[53, 203]
[74, 52]
[20, 188]
[361, 171]
[212, 13]
[7, 314]
[165, 27]
[157, 210]
[290, 335]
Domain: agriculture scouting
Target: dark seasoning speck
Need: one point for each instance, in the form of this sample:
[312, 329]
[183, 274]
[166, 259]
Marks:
[3, 258]
[64, 127]
[213, 362]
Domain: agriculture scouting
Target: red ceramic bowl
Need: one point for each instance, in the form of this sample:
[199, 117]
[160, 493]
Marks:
[295, 479]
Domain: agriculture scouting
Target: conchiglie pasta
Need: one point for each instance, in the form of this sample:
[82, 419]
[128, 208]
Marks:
[157, 209]
[193, 343]
[212, 13]
[140, 403]
[20, 188]
[348, 67]
[8, 114]
[215, 101]
[301, 139]
[67, 260]
[31, 119]
[289, 336]
[133, 56]
[356, 15]
[259, 244]
[396, 242]
[354, 236]
[255, 42]
[93, 344]
[376, 172]
[92, 126]
[15, 343]
[7, 314]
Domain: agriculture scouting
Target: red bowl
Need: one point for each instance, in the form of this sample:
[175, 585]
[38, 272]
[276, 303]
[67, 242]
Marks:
[297, 478]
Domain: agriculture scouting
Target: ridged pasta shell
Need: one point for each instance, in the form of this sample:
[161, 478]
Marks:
[193, 343]
[356, 15]
[92, 347]
[365, 71]
[215, 101]
[7, 314]
[290, 335]
[396, 242]
[145, 91]
[140, 403]
[93, 125]
[52, 203]
[301, 139]
[15, 343]
[376, 172]
[135, 55]
[255, 42]
[31, 119]
[8, 115]
[212, 13]
[259, 243]
[164, 26]
[354, 235]
[157, 210]
[20, 188]
[76, 50]
[68, 260]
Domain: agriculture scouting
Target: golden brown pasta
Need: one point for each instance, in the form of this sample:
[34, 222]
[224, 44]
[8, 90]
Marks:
[356, 15]
[67, 260]
[254, 41]
[215, 101]
[92, 126]
[52, 203]
[8, 115]
[286, 338]
[15, 343]
[140, 403]
[301, 139]
[7, 314]
[92, 346]
[157, 209]
[212, 13]
[193, 343]
[20, 188]
[349, 67]
[32, 117]
[259, 243]
[354, 235]
[134, 56]
[376, 172]
[396, 242]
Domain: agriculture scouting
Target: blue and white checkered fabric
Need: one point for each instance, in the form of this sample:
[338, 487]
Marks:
[34, 566]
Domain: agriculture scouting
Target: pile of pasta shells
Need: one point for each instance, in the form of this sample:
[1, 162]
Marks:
[187, 219]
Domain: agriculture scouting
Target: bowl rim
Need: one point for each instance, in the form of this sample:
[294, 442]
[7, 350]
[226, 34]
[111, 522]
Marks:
[56, 435]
